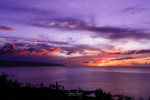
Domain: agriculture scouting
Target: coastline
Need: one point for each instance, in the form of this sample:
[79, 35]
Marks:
[11, 63]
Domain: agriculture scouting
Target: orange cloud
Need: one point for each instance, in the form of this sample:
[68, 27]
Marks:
[36, 39]
[55, 50]
[23, 52]
[41, 52]
[107, 62]
[13, 45]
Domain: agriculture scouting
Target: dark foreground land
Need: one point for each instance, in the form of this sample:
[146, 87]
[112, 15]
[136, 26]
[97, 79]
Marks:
[12, 90]
[25, 63]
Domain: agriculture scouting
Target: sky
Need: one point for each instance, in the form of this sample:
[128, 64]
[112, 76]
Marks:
[76, 32]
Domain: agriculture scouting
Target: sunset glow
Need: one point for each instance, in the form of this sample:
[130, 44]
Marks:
[76, 32]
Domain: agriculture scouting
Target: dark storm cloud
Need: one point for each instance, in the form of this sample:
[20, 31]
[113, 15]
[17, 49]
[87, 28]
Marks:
[5, 28]
[105, 31]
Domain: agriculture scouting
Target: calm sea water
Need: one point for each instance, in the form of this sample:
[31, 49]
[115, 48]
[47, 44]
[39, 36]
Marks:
[133, 81]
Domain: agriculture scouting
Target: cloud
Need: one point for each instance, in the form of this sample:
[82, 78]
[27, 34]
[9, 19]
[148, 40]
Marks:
[125, 58]
[11, 49]
[82, 49]
[5, 28]
[40, 42]
[105, 31]
[85, 62]
[55, 50]
[132, 10]
[70, 52]
[36, 39]
[62, 23]
[21, 9]
[142, 51]
[39, 52]
[132, 52]
[128, 40]
[24, 45]
[9, 46]
[46, 50]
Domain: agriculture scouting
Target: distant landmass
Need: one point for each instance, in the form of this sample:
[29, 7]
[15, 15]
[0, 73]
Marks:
[26, 63]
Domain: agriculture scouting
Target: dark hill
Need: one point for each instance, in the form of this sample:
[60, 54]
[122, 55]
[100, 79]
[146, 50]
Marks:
[26, 63]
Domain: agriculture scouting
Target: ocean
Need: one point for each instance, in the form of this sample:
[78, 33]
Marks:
[130, 81]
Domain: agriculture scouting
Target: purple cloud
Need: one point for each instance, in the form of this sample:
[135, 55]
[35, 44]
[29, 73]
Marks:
[132, 10]
[85, 62]
[105, 31]
[133, 52]
[125, 58]
[5, 28]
